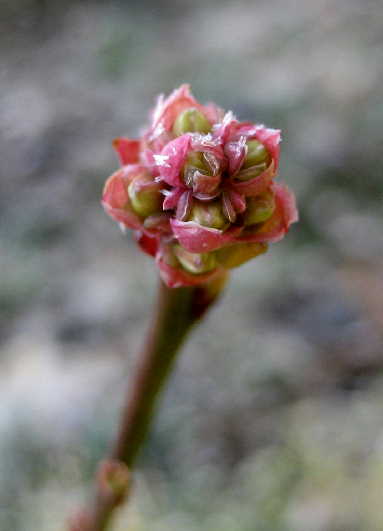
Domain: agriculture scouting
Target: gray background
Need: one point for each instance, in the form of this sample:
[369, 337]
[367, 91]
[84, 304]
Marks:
[273, 419]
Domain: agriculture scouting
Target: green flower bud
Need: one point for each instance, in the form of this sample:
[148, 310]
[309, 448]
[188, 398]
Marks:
[191, 121]
[208, 214]
[195, 263]
[259, 209]
[194, 161]
[256, 154]
[239, 253]
[250, 173]
[199, 164]
[145, 195]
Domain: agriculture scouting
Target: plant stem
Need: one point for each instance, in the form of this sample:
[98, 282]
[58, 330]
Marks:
[178, 309]
[171, 323]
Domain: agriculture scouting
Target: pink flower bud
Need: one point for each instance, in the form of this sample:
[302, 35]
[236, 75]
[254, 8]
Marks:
[199, 190]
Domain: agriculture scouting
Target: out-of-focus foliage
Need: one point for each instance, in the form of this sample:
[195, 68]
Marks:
[273, 418]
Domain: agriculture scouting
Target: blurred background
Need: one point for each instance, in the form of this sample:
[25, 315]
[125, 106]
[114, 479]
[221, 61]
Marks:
[273, 418]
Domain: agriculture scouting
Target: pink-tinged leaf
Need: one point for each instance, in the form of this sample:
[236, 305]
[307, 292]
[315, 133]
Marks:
[172, 197]
[148, 243]
[256, 185]
[236, 153]
[115, 198]
[178, 278]
[172, 159]
[127, 150]
[237, 200]
[198, 239]
[278, 225]
[227, 208]
[184, 205]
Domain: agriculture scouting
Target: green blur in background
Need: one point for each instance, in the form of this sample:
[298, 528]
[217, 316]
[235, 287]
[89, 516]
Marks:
[273, 418]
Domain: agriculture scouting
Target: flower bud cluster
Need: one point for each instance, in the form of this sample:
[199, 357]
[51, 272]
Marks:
[198, 190]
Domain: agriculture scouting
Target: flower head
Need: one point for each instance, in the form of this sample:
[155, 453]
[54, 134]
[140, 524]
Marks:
[199, 189]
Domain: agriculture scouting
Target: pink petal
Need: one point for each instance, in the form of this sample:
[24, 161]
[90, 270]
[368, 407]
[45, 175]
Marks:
[224, 130]
[207, 144]
[172, 197]
[288, 202]
[205, 184]
[214, 113]
[127, 149]
[184, 205]
[237, 200]
[148, 243]
[198, 239]
[148, 159]
[172, 159]
[236, 153]
[115, 199]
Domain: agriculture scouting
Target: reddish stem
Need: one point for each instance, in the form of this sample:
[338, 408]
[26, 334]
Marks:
[178, 309]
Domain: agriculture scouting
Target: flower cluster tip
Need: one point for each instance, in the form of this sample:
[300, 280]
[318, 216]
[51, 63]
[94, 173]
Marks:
[198, 189]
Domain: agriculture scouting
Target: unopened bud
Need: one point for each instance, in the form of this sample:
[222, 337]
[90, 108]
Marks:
[195, 263]
[257, 160]
[239, 253]
[201, 172]
[191, 121]
[256, 154]
[145, 195]
[259, 209]
[208, 214]
[194, 161]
